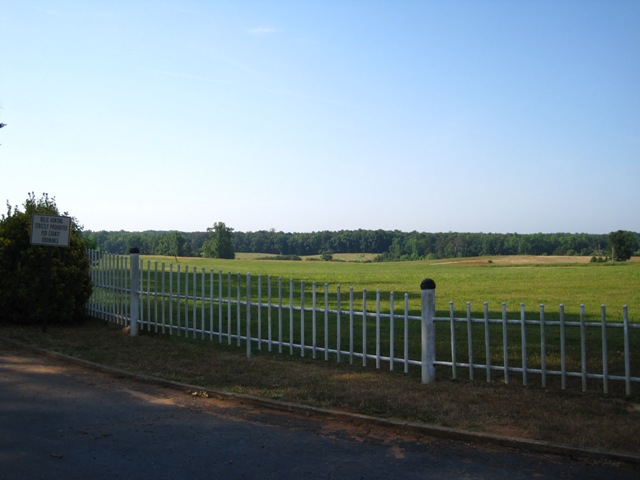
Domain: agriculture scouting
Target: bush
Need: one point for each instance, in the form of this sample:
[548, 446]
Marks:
[281, 257]
[41, 284]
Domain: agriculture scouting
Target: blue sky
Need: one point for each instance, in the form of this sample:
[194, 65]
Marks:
[469, 116]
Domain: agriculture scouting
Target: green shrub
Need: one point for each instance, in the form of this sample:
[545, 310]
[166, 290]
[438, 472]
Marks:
[281, 257]
[41, 284]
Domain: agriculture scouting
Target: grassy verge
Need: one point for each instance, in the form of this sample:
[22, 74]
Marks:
[586, 420]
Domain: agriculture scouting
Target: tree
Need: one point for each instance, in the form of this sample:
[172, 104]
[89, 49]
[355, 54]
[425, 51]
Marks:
[220, 242]
[41, 284]
[173, 244]
[622, 245]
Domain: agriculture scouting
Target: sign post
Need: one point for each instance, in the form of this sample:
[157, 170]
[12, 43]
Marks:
[49, 231]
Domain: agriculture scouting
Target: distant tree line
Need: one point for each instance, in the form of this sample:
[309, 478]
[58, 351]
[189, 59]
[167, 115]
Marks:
[152, 242]
[391, 245]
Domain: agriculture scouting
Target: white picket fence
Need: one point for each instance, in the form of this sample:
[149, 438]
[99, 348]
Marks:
[299, 318]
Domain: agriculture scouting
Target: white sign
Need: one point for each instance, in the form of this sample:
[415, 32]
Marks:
[50, 230]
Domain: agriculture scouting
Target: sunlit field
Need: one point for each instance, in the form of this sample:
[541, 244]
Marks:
[551, 281]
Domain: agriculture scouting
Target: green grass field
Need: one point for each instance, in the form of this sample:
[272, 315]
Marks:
[530, 280]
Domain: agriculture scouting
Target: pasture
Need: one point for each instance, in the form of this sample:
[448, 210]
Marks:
[551, 281]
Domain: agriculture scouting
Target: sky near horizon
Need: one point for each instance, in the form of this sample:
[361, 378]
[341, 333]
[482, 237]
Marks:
[469, 116]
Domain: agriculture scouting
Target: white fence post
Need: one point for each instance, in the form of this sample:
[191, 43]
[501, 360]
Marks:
[134, 266]
[428, 288]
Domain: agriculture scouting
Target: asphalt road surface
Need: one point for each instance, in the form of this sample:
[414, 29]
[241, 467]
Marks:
[64, 421]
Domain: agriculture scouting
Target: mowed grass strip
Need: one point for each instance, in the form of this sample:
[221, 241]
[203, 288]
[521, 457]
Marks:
[586, 420]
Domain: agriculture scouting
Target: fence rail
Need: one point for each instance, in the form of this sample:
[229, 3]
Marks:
[306, 319]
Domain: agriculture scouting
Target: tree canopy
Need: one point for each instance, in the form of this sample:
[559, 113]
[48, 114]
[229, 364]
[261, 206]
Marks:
[220, 243]
[623, 245]
[389, 244]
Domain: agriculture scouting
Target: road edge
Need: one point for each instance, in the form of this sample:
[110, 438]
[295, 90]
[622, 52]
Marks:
[424, 429]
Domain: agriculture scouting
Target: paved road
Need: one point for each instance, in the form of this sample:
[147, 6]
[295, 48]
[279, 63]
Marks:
[64, 421]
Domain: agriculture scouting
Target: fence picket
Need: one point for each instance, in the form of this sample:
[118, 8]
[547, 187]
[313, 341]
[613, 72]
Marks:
[523, 329]
[364, 327]
[452, 321]
[195, 302]
[248, 325]
[583, 347]
[259, 312]
[627, 362]
[351, 314]
[279, 314]
[505, 343]
[269, 328]
[563, 350]
[470, 340]
[406, 333]
[202, 303]
[291, 310]
[220, 304]
[378, 329]
[543, 349]
[338, 326]
[326, 322]
[392, 331]
[302, 339]
[171, 299]
[148, 295]
[163, 300]
[238, 312]
[487, 342]
[229, 307]
[313, 320]
[211, 289]
[605, 354]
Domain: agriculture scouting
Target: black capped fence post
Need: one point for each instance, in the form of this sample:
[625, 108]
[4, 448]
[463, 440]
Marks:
[428, 288]
[134, 265]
